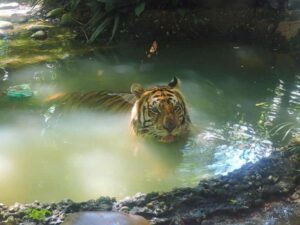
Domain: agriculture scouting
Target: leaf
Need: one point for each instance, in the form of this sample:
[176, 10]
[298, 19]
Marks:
[99, 29]
[181, 12]
[74, 3]
[96, 19]
[140, 8]
[110, 5]
[261, 104]
[116, 24]
[233, 201]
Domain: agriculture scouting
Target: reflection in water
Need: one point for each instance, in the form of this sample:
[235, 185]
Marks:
[284, 112]
[82, 154]
[243, 145]
[276, 102]
[294, 101]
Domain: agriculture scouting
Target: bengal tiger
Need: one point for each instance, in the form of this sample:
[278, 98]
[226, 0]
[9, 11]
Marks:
[158, 112]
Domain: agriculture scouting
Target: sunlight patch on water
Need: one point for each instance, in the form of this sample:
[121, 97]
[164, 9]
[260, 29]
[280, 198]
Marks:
[276, 102]
[224, 150]
[6, 167]
[294, 100]
[243, 145]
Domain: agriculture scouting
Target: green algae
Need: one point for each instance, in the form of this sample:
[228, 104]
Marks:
[19, 49]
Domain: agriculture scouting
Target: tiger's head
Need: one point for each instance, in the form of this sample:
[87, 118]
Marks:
[160, 112]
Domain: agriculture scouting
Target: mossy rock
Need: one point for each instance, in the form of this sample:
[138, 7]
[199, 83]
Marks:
[55, 13]
[66, 19]
[39, 35]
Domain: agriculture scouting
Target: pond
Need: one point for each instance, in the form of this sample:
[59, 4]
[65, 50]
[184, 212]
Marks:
[243, 101]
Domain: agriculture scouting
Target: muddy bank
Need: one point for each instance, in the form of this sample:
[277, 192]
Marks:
[270, 28]
[267, 190]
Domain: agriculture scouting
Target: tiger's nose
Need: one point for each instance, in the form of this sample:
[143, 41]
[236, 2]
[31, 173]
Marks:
[170, 125]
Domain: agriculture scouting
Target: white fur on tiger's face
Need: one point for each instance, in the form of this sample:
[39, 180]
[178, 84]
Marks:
[160, 112]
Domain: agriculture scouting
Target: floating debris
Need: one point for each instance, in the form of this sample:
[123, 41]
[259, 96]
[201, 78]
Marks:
[20, 91]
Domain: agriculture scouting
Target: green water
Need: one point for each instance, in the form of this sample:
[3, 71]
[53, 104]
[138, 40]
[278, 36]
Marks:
[236, 95]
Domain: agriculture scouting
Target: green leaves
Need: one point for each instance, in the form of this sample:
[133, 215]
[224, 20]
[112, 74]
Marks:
[116, 25]
[100, 29]
[74, 3]
[96, 16]
[139, 9]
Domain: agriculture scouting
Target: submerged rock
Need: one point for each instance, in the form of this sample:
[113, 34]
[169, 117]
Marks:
[5, 25]
[102, 218]
[39, 35]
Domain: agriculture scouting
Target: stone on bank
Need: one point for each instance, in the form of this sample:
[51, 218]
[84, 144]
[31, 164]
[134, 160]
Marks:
[102, 218]
[39, 35]
[5, 25]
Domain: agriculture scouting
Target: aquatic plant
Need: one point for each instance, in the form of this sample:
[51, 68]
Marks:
[37, 214]
[285, 130]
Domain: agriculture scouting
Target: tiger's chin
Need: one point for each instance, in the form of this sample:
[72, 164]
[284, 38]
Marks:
[173, 137]
[168, 138]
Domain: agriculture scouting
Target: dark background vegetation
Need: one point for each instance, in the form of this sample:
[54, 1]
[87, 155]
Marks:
[96, 16]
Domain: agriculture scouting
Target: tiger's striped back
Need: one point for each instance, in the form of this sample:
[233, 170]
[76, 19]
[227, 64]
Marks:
[95, 100]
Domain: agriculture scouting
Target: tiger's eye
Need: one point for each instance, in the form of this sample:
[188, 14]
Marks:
[154, 110]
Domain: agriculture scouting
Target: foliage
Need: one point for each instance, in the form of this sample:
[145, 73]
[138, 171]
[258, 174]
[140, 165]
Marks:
[37, 214]
[96, 16]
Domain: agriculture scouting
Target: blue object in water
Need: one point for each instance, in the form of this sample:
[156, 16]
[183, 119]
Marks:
[20, 91]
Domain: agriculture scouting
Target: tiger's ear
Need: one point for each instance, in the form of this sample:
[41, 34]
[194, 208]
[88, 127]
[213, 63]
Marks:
[174, 83]
[137, 89]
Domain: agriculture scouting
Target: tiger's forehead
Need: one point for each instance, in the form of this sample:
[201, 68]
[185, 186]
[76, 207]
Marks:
[161, 94]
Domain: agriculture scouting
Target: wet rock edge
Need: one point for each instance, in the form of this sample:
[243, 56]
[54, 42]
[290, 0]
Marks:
[244, 191]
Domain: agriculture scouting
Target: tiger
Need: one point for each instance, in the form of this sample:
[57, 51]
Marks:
[158, 112]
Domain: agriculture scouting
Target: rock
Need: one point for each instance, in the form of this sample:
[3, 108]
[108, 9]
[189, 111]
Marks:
[295, 140]
[66, 19]
[100, 218]
[3, 76]
[17, 18]
[55, 13]
[39, 35]
[288, 29]
[38, 27]
[11, 5]
[2, 34]
[5, 25]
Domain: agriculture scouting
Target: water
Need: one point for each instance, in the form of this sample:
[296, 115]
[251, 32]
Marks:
[238, 97]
